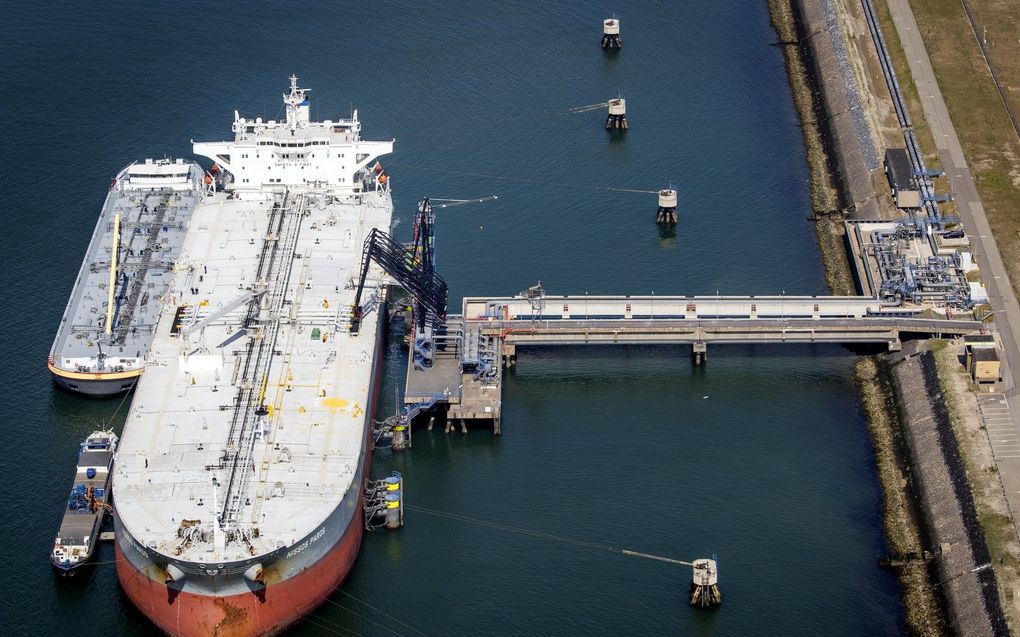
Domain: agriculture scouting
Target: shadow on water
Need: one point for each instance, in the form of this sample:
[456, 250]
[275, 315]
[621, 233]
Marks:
[617, 147]
[75, 413]
[610, 57]
[667, 236]
[70, 586]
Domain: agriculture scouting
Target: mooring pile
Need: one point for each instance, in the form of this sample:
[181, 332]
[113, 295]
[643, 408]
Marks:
[611, 34]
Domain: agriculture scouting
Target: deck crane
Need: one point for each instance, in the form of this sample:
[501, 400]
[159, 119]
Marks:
[413, 267]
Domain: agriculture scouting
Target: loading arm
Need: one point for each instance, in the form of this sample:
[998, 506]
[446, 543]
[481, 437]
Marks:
[414, 274]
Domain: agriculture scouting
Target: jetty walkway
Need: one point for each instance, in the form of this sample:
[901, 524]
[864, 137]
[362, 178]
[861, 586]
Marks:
[464, 368]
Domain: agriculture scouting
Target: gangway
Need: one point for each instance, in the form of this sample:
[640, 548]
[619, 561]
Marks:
[396, 428]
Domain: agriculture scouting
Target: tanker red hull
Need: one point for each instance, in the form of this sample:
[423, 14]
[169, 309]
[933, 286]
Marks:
[191, 615]
[280, 603]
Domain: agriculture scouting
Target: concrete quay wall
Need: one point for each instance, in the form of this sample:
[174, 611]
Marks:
[946, 503]
[839, 106]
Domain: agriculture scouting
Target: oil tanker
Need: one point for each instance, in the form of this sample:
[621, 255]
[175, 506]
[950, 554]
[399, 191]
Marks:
[239, 478]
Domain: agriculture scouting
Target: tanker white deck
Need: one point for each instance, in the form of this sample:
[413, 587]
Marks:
[242, 463]
[316, 391]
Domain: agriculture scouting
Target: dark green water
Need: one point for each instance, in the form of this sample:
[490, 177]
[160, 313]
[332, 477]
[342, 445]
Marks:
[761, 457]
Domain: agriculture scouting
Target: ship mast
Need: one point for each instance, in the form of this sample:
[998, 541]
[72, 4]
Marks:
[297, 105]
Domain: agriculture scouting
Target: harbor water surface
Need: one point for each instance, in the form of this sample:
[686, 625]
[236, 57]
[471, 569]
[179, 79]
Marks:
[761, 457]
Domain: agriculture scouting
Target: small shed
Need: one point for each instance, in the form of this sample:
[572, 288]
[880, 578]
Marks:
[898, 170]
[983, 359]
[985, 366]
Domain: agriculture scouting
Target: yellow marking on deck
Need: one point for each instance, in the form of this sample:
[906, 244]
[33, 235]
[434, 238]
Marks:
[335, 402]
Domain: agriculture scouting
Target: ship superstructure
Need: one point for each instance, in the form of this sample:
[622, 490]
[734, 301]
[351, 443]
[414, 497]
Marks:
[239, 479]
[104, 334]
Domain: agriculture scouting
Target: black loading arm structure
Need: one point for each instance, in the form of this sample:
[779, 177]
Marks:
[412, 266]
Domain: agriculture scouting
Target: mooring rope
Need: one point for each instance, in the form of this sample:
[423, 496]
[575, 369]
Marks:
[331, 627]
[545, 535]
[383, 613]
[362, 617]
[121, 404]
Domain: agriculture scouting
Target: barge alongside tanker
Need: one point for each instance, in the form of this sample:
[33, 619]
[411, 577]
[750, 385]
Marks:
[105, 332]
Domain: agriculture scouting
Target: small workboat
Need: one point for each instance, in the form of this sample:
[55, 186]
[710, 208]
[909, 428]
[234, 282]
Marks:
[88, 503]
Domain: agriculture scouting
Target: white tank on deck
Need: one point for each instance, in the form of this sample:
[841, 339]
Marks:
[618, 106]
[667, 198]
[611, 26]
